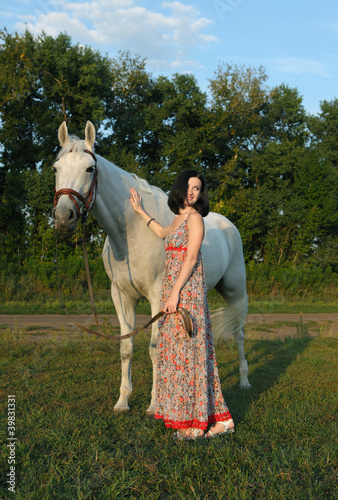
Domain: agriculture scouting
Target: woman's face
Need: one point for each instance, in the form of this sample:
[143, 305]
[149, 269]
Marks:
[194, 190]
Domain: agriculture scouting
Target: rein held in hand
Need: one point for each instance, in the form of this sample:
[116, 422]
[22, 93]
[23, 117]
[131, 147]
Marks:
[100, 332]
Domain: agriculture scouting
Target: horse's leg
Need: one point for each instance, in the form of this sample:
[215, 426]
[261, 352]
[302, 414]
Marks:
[235, 315]
[152, 353]
[125, 310]
[243, 365]
[155, 307]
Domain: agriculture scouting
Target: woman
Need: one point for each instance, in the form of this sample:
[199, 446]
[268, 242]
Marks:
[188, 390]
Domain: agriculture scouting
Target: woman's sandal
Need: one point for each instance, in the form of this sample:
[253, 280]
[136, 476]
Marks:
[192, 435]
[226, 429]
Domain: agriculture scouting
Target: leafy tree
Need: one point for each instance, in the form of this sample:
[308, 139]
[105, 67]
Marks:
[175, 119]
[44, 81]
[324, 128]
[15, 138]
[155, 125]
[125, 118]
[258, 191]
[284, 118]
[239, 97]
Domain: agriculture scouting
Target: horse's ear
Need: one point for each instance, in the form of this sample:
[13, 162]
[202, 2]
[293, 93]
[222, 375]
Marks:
[63, 135]
[90, 135]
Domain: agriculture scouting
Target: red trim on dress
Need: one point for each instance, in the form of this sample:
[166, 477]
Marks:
[175, 249]
[212, 419]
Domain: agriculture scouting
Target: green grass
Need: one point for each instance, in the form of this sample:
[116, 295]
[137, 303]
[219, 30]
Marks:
[51, 305]
[291, 306]
[72, 445]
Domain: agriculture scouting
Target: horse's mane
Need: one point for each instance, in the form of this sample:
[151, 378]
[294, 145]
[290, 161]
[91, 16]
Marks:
[75, 144]
[144, 185]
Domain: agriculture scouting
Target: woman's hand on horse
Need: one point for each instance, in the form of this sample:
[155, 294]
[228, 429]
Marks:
[135, 200]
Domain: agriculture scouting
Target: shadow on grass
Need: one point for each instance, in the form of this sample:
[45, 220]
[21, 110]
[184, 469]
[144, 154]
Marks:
[267, 359]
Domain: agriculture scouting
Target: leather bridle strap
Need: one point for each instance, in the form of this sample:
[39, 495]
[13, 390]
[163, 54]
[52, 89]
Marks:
[183, 312]
[87, 201]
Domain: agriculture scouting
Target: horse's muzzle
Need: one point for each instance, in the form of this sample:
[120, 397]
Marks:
[65, 219]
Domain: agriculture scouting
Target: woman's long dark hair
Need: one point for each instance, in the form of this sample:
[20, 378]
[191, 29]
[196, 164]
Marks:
[179, 191]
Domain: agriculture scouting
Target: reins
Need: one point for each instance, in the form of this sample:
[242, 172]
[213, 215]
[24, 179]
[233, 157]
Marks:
[87, 203]
[100, 332]
[90, 289]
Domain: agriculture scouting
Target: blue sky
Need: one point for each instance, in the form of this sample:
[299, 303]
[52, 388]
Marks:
[296, 41]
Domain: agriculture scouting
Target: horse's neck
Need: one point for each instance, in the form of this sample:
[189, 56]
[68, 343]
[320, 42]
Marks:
[112, 194]
[113, 210]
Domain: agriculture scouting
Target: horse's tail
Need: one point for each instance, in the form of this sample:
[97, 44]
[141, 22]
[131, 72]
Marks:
[227, 320]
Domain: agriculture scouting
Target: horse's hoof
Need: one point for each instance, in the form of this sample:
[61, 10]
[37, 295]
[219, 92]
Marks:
[150, 414]
[121, 410]
[245, 386]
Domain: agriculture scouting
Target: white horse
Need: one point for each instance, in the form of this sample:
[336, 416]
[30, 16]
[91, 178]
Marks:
[133, 256]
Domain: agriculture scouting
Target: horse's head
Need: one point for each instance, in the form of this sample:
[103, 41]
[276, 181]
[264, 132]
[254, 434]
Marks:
[75, 178]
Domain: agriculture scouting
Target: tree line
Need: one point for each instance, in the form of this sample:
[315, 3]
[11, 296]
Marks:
[270, 166]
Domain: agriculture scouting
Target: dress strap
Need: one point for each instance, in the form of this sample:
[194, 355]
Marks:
[190, 214]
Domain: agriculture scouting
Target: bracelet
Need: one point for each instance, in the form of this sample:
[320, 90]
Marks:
[150, 220]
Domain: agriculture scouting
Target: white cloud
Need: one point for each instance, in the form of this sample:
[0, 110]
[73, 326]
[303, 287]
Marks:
[299, 66]
[54, 23]
[165, 35]
[183, 65]
[180, 8]
[208, 38]
[331, 27]
[5, 14]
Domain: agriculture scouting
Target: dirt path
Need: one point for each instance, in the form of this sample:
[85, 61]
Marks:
[257, 325]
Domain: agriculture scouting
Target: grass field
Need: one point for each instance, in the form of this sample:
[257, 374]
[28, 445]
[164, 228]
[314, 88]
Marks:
[267, 305]
[72, 445]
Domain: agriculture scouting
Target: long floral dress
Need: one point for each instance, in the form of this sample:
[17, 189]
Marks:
[188, 389]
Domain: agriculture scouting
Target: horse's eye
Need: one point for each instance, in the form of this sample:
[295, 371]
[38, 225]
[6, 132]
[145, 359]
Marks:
[55, 169]
[90, 169]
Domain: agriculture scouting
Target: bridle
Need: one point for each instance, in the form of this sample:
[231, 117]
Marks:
[89, 199]
[87, 203]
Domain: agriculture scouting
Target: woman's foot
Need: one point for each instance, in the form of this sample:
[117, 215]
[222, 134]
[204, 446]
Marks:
[219, 428]
[191, 433]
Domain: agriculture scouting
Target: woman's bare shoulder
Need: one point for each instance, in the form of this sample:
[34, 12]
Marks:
[195, 218]
[196, 222]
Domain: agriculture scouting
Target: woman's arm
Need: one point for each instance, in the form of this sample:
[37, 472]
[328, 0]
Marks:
[195, 238]
[136, 202]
